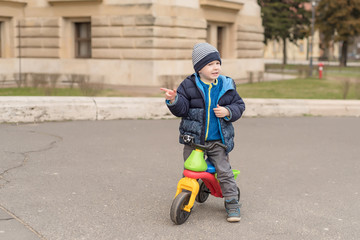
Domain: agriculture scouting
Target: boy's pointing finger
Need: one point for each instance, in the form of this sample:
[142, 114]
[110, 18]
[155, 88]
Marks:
[169, 91]
[165, 89]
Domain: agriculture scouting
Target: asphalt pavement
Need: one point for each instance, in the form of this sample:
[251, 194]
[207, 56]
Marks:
[116, 179]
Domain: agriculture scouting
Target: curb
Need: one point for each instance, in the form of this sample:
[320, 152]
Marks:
[41, 109]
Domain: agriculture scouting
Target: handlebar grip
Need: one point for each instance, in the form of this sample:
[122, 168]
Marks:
[187, 138]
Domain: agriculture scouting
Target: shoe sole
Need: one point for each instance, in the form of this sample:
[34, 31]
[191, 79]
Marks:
[234, 219]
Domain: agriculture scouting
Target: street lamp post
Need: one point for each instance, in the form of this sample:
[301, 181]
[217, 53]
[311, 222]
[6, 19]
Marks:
[312, 35]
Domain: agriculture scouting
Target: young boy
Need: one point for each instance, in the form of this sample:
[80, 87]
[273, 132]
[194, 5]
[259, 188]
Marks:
[208, 103]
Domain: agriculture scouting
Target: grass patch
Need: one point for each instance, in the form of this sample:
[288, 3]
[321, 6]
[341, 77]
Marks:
[338, 83]
[59, 92]
[301, 88]
[30, 91]
[303, 70]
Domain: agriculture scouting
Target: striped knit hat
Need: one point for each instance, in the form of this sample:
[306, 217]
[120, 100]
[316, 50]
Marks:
[202, 54]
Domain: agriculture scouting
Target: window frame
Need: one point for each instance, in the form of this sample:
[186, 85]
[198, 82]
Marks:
[9, 39]
[220, 35]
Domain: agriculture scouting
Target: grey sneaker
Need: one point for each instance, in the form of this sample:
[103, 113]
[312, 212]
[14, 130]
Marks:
[233, 210]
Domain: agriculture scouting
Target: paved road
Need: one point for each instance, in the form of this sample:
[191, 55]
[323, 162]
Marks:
[116, 180]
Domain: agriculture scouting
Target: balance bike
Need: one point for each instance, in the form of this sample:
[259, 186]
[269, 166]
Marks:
[198, 182]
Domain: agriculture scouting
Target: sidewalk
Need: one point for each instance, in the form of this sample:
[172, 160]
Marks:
[41, 109]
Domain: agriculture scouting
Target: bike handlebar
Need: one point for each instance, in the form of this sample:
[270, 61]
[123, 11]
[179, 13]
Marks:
[190, 141]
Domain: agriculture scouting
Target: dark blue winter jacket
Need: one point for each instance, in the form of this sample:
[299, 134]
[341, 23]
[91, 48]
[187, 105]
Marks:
[190, 106]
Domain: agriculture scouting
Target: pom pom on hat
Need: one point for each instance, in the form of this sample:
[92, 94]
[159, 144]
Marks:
[202, 54]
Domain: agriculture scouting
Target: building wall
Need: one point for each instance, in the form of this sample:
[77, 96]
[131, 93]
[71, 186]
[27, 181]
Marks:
[301, 51]
[133, 42]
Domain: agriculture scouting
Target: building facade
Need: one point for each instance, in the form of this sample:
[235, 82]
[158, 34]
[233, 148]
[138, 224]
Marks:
[301, 51]
[125, 42]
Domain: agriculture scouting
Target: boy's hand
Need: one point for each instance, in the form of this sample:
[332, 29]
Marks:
[169, 94]
[221, 112]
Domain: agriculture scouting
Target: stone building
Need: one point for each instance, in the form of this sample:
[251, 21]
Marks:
[301, 51]
[125, 42]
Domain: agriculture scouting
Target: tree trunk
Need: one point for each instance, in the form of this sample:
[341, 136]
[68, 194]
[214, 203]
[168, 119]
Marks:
[343, 59]
[284, 52]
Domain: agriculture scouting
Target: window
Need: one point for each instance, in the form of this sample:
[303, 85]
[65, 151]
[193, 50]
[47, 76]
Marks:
[82, 39]
[301, 47]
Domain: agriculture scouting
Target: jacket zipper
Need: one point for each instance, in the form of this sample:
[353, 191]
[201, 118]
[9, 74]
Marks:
[208, 112]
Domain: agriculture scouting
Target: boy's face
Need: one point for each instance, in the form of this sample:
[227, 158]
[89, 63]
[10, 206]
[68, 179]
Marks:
[211, 71]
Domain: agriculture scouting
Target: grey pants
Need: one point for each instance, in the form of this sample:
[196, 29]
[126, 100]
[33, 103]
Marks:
[220, 159]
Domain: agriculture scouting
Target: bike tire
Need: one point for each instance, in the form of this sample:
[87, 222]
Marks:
[203, 193]
[177, 213]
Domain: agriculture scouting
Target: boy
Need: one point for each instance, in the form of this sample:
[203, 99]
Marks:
[208, 104]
